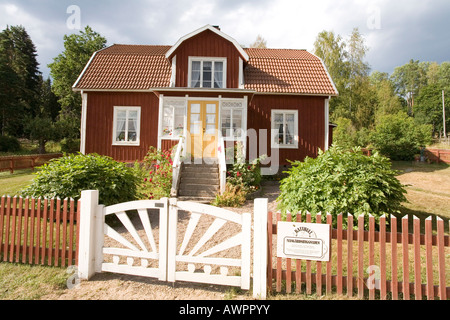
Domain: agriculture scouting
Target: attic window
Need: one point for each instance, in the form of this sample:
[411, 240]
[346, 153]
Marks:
[207, 72]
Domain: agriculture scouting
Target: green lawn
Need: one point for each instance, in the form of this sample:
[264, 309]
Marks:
[12, 184]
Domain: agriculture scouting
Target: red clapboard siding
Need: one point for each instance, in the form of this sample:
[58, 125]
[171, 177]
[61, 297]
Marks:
[311, 122]
[99, 126]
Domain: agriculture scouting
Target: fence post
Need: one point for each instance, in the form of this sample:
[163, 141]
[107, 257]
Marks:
[86, 225]
[260, 249]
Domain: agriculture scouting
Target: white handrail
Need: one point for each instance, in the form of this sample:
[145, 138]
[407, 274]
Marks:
[176, 167]
[222, 164]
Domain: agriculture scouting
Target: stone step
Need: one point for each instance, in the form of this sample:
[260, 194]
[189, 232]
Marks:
[198, 187]
[204, 179]
[197, 193]
[200, 169]
[205, 200]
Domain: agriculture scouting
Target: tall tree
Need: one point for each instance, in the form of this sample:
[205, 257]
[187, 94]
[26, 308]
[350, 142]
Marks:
[65, 69]
[408, 80]
[331, 48]
[41, 126]
[19, 53]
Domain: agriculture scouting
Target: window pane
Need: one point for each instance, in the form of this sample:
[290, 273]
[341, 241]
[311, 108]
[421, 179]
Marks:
[167, 120]
[210, 118]
[226, 122]
[237, 123]
[218, 75]
[195, 76]
[211, 108]
[195, 108]
[210, 129]
[207, 74]
[289, 127]
[179, 122]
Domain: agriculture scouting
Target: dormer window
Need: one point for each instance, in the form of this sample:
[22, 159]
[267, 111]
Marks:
[207, 72]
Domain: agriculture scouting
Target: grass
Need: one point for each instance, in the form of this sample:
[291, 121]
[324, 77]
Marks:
[428, 189]
[25, 282]
[12, 184]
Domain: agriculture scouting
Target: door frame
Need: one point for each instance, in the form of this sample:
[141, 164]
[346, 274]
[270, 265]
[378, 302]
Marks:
[203, 130]
[186, 99]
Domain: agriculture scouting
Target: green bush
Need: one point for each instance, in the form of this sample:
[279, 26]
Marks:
[66, 177]
[399, 137]
[9, 144]
[339, 181]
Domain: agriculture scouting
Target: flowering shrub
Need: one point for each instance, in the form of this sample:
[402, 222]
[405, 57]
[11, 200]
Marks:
[156, 174]
[247, 175]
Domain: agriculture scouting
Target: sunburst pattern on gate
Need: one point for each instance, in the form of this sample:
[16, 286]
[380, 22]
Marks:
[130, 243]
[205, 242]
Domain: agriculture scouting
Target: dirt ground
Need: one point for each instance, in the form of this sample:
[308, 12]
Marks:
[111, 286]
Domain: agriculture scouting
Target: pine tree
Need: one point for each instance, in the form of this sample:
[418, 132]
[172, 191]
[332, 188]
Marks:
[19, 54]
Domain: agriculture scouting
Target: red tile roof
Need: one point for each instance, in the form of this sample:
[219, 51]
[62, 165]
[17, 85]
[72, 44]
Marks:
[142, 67]
[287, 71]
[127, 67]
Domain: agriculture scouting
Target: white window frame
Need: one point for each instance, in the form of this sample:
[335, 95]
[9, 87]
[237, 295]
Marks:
[243, 121]
[207, 59]
[171, 136]
[274, 131]
[138, 128]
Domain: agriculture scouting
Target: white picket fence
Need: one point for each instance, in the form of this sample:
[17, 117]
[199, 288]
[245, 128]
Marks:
[167, 239]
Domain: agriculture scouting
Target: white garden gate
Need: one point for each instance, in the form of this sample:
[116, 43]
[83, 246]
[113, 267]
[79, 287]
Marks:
[170, 240]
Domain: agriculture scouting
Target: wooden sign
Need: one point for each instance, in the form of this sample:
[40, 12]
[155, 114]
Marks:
[306, 241]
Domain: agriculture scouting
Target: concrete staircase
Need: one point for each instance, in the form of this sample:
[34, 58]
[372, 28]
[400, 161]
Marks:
[199, 182]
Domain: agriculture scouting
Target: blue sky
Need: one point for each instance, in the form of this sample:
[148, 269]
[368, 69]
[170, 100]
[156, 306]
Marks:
[395, 31]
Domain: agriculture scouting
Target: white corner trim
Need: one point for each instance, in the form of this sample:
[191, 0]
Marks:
[327, 122]
[173, 77]
[84, 97]
[213, 29]
[160, 119]
[241, 74]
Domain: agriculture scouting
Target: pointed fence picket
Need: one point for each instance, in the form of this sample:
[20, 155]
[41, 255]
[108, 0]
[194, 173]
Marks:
[373, 264]
[38, 231]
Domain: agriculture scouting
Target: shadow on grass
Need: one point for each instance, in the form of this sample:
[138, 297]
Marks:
[408, 166]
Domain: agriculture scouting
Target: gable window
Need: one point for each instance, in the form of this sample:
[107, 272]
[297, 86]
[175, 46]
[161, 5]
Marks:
[207, 72]
[127, 123]
[285, 129]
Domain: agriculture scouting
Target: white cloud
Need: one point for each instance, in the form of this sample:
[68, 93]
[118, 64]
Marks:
[407, 28]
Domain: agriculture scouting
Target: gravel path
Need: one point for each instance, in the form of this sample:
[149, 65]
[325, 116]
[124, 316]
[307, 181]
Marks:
[110, 286]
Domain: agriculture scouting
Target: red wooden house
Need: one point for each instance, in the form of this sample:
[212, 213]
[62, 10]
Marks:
[204, 88]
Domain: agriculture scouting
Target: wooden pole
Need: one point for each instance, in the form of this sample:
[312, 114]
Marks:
[443, 113]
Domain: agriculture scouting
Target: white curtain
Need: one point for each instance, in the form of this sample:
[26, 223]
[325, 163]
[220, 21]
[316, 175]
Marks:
[121, 126]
